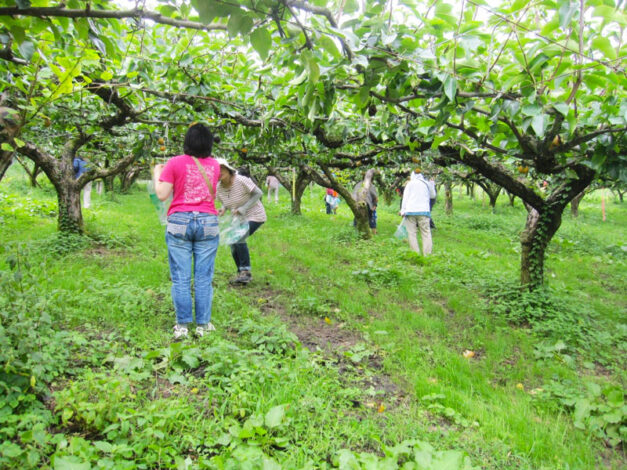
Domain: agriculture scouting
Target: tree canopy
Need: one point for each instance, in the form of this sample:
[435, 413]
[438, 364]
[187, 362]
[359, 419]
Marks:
[519, 91]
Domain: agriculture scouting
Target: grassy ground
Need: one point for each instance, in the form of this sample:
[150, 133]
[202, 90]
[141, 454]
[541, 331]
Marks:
[341, 352]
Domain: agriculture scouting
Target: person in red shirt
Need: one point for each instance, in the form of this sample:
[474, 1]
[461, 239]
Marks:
[192, 227]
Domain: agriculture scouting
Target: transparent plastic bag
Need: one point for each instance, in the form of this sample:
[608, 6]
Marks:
[232, 229]
[161, 206]
[401, 231]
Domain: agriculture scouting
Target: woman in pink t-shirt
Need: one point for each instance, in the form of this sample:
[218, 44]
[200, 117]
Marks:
[192, 228]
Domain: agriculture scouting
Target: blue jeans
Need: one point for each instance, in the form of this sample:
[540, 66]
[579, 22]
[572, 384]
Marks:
[192, 235]
[239, 250]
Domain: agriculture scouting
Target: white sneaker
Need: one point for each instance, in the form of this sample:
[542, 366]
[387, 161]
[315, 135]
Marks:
[202, 330]
[180, 331]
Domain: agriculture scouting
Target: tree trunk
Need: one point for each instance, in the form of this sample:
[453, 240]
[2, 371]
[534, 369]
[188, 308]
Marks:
[360, 207]
[9, 129]
[70, 219]
[574, 204]
[534, 239]
[6, 158]
[33, 176]
[127, 179]
[357, 205]
[493, 197]
[493, 192]
[302, 181]
[110, 180]
[109, 184]
[448, 198]
[361, 220]
[512, 198]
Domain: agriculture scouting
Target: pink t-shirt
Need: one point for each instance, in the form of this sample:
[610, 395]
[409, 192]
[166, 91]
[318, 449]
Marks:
[190, 189]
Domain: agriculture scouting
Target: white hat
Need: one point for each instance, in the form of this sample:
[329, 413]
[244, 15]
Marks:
[224, 163]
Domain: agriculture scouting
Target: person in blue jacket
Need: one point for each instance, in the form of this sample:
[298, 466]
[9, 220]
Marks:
[81, 166]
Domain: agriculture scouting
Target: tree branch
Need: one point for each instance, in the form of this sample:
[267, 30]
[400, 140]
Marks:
[137, 13]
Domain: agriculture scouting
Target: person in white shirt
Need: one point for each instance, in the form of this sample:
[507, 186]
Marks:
[416, 213]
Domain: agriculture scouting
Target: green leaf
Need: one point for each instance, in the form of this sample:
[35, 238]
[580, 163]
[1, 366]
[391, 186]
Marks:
[312, 66]
[239, 23]
[566, 12]
[598, 159]
[103, 446]
[7, 147]
[261, 41]
[207, 11]
[106, 75]
[300, 79]
[10, 450]
[329, 45]
[18, 142]
[449, 460]
[69, 462]
[98, 44]
[450, 87]
[609, 14]
[351, 6]
[191, 360]
[570, 173]
[518, 4]
[537, 62]
[562, 108]
[615, 397]
[531, 110]
[604, 45]
[275, 416]
[582, 411]
[27, 49]
[538, 123]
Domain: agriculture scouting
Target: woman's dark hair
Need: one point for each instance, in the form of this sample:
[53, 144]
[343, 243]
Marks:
[198, 141]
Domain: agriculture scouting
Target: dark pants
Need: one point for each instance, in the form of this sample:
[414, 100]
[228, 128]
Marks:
[329, 210]
[431, 204]
[239, 250]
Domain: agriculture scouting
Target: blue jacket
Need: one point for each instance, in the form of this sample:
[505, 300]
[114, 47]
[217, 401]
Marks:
[80, 167]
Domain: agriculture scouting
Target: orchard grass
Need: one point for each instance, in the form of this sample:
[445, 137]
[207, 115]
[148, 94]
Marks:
[253, 391]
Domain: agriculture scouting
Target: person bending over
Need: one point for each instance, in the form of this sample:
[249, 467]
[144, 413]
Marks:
[242, 197]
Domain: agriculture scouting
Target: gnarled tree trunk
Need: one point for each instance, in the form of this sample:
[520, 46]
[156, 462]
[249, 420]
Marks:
[448, 198]
[357, 205]
[6, 159]
[9, 129]
[492, 190]
[128, 178]
[534, 239]
[70, 218]
[360, 208]
[302, 181]
[574, 204]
